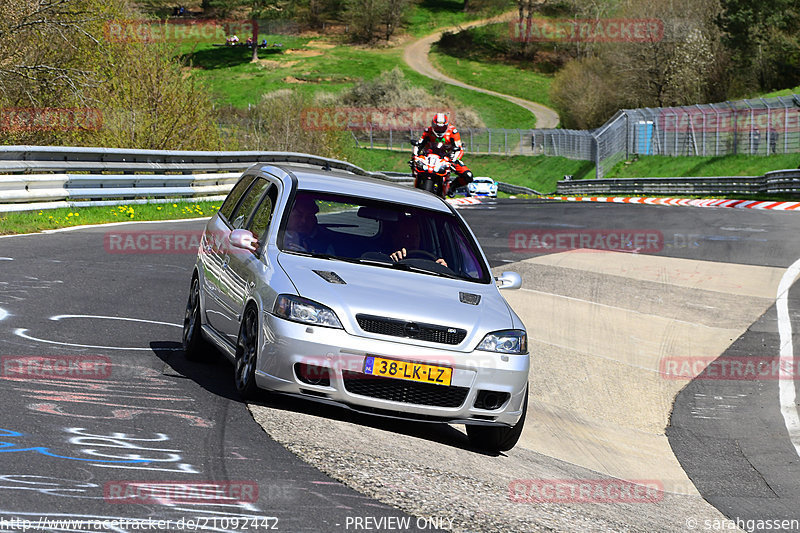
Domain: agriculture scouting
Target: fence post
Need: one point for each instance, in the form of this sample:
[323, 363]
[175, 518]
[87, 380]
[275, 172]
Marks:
[520, 141]
[505, 133]
[627, 135]
[597, 173]
[735, 119]
[489, 151]
[390, 138]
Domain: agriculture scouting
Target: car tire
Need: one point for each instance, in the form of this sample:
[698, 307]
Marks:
[247, 355]
[195, 347]
[498, 439]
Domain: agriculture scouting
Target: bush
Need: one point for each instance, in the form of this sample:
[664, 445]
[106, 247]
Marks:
[276, 124]
[392, 90]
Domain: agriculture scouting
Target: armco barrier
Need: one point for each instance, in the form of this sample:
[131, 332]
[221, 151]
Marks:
[775, 182]
[43, 177]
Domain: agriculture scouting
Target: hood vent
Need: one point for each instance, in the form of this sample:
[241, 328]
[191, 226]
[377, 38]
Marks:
[469, 298]
[330, 277]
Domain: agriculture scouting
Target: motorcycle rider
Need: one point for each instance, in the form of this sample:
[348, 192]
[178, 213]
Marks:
[441, 131]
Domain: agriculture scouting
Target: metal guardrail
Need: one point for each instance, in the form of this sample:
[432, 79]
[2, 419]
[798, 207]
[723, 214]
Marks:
[45, 177]
[775, 182]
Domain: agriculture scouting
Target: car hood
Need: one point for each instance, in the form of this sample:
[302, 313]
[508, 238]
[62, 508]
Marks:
[401, 295]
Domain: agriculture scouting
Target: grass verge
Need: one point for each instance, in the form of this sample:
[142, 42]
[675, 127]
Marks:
[34, 221]
[657, 166]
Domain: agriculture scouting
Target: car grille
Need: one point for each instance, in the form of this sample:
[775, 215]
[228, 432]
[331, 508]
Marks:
[398, 390]
[411, 330]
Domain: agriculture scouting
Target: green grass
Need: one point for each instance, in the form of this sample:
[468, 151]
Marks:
[429, 15]
[537, 172]
[233, 80]
[730, 165]
[33, 221]
[495, 76]
[782, 92]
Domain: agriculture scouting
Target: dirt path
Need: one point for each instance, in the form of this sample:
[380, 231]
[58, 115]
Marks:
[415, 54]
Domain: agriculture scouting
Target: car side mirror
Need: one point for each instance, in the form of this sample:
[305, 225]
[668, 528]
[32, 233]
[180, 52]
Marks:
[244, 239]
[508, 280]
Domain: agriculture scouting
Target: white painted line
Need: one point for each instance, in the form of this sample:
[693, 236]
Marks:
[786, 382]
[6, 258]
[59, 317]
[20, 332]
[3, 313]
[102, 224]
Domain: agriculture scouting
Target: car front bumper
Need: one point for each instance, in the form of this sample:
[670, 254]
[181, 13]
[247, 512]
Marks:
[286, 344]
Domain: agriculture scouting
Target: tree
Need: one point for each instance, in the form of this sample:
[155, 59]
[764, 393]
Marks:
[762, 36]
[45, 46]
[364, 17]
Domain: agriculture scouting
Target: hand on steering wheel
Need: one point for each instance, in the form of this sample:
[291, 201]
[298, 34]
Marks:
[402, 253]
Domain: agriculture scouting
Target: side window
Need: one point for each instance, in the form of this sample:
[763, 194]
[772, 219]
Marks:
[248, 203]
[233, 197]
[263, 215]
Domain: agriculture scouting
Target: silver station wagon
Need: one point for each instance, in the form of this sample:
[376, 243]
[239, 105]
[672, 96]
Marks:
[357, 292]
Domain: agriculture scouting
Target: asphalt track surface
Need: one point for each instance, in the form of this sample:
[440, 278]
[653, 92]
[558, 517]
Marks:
[70, 443]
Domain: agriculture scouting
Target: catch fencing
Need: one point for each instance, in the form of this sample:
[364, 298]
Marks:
[573, 144]
[761, 126]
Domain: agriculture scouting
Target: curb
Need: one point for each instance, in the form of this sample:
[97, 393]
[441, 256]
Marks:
[682, 202]
[463, 201]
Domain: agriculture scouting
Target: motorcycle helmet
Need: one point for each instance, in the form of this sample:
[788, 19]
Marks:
[439, 124]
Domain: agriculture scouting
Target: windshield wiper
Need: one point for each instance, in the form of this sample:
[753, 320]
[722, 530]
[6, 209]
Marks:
[412, 268]
[316, 255]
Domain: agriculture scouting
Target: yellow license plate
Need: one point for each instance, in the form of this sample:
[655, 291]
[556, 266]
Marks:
[390, 368]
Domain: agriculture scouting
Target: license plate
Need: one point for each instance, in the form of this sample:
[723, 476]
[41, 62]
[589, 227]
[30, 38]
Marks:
[390, 368]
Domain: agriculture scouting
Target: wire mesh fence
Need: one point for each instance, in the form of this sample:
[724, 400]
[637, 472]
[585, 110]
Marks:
[760, 126]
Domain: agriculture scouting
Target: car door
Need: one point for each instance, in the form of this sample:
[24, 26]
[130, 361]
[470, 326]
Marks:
[237, 282]
[245, 266]
[213, 246]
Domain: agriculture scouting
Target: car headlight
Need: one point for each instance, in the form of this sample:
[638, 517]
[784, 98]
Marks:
[298, 309]
[506, 341]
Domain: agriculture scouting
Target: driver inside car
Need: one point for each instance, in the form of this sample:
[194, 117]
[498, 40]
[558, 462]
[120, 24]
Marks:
[406, 237]
[303, 232]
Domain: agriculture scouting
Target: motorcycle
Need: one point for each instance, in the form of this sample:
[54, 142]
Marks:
[431, 171]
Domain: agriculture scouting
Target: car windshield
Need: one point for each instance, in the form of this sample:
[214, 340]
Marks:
[381, 234]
